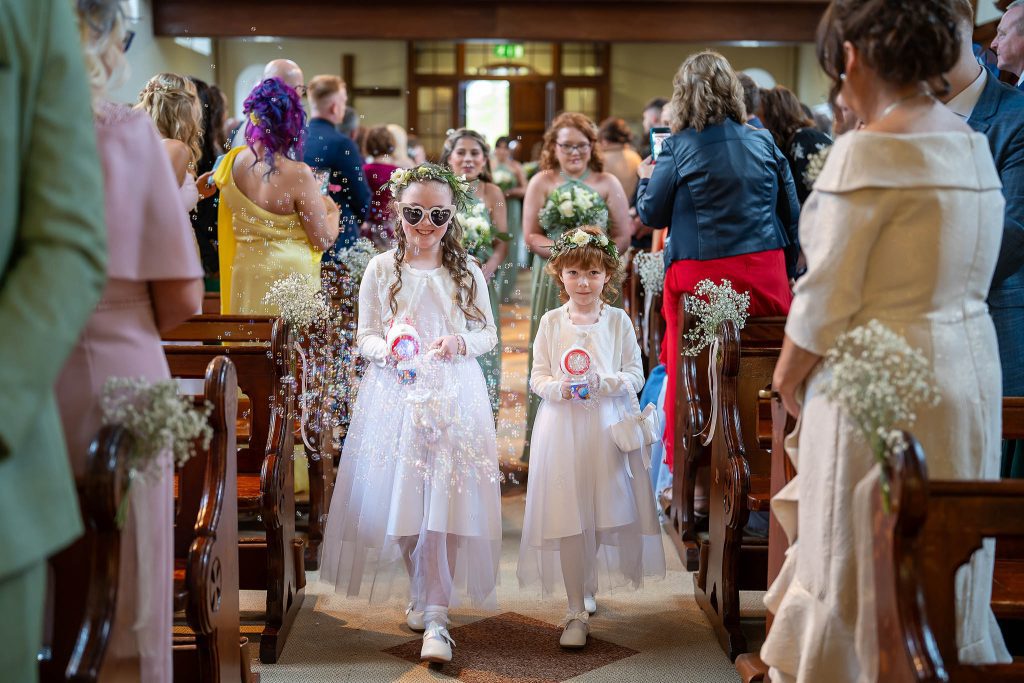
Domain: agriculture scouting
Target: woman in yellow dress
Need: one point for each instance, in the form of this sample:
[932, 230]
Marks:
[274, 221]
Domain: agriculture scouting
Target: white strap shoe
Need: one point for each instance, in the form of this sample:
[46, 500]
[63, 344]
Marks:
[414, 618]
[576, 627]
[437, 644]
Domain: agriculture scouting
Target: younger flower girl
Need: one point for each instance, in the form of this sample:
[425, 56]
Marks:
[589, 508]
[417, 490]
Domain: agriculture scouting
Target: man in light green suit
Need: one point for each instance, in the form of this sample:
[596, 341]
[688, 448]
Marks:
[52, 265]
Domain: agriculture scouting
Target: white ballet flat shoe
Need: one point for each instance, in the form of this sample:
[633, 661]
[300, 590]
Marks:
[590, 604]
[437, 644]
[414, 618]
[576, 627]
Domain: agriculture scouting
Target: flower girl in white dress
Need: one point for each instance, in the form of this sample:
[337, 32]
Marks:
[590, 511]
[417, 492]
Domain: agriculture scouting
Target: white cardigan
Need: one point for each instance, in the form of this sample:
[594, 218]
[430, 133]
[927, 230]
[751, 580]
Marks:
[375, 316]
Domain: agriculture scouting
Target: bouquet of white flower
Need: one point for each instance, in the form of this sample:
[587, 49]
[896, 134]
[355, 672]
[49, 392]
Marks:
[651, 268]
[299, 299]
[504, 178]
[879, 380]
[357, 257]
[478, 233]
[571, 207]
[723, 303]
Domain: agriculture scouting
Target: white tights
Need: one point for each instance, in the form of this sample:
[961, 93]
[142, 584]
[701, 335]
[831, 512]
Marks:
[578, 577]
[431, 590]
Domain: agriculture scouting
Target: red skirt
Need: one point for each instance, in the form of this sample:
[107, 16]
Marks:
[762, 274]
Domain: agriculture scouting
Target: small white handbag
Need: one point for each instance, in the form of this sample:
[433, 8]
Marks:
[636, 431]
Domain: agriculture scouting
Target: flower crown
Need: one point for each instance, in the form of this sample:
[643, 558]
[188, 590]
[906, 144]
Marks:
[573, 239]
[401, 178]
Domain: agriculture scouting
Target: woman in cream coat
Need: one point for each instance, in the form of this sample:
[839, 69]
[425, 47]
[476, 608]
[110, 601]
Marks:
[904, 226]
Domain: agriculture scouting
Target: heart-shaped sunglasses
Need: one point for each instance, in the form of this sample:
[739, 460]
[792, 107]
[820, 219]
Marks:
[439, 216]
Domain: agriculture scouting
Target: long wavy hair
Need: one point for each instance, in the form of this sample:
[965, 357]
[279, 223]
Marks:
[173, 104]
[453, 139]
[582, 123]
[276, 121]
[101, 28]
[783, 115]
[706, 92]
[214, 115]
[454, 258]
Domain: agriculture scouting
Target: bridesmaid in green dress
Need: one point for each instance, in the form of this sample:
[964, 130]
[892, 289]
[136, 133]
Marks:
[570, 190]
[509, 176]
[467, 153]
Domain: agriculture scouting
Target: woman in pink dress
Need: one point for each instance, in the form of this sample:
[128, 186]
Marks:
[154, 283]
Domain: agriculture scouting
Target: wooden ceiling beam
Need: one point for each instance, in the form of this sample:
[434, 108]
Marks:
[558, 20]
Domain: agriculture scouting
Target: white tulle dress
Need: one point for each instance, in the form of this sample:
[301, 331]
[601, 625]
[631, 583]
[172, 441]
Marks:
[579, 480]
[417, 494]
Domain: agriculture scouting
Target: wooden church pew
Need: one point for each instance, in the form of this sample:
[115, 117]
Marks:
[265, 472]
[731, 561]
[206, 545]
[216, 329]
[916, 560]
[83, 578]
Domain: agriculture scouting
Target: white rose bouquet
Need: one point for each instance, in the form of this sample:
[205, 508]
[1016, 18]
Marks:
[879, 380]
[478, 231]
[504, 178]
[572, 206]
[722, 303]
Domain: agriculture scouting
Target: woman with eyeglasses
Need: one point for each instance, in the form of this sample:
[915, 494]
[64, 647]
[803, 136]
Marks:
[154, 283]
[571, 190]
[726, 194]
[275, 217]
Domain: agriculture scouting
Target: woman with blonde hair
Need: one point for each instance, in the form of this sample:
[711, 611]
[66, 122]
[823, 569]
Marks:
[173, 103]
[571, 164]
[726, 194]
[154, 283]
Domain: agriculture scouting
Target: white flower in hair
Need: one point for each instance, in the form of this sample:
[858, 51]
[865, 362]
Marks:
[602, 239]
[580, 238]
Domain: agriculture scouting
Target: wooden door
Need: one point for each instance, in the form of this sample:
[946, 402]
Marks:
[532, 108]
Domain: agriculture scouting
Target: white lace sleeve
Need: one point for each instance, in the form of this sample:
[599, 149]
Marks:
[370, 333]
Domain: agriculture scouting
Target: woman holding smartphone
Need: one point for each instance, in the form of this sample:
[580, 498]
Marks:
[273, 220]
[733, 177]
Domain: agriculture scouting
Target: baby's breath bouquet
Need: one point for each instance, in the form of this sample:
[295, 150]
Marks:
[651, 267]
[879, 381]
[357, 257]
[571, 206]
[478, 232]
[299, 299]
[504, 178]
[159, 421]
[722, 303]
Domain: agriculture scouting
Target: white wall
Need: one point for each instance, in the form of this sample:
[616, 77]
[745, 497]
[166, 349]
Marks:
[379, 63]
[987, 11]
[150, 55]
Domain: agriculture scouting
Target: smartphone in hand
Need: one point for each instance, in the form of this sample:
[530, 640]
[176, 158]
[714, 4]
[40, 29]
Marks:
[658, 135]
[213, 171]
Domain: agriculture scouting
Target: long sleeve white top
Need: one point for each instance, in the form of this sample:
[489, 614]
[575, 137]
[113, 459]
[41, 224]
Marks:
[375, 317]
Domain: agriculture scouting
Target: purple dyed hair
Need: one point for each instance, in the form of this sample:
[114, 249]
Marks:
[276, 121]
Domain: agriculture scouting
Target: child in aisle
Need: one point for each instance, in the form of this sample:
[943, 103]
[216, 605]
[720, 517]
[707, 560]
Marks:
[589, 509]
[417, 490]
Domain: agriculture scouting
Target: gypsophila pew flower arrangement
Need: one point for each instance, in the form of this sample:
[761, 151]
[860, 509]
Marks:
[570, 207]
[356, 258]
[719, 303]
[160, 422]
[879, 381]
[650, 265]
[299, 299]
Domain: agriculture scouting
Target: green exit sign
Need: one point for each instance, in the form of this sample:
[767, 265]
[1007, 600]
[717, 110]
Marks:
[509, 50]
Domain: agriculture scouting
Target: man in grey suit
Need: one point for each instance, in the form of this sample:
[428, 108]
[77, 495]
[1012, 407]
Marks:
[52, 266]
[1009, 41]
[997, 111]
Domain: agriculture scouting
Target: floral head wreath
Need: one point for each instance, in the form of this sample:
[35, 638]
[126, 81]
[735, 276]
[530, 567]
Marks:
[573, 239]
[401, 178]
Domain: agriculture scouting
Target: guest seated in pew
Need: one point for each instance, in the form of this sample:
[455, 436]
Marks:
[717, 167]
[154, 283]
[903, 226]
[273, 220]
[52, 251]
